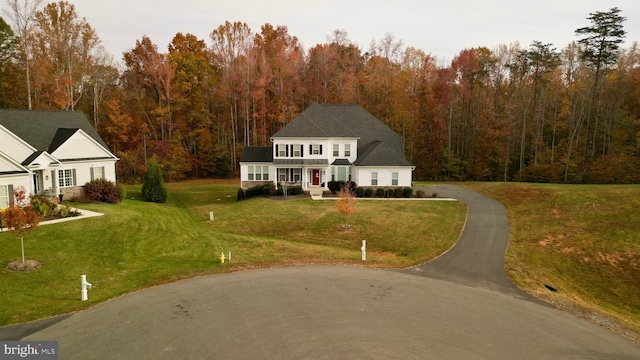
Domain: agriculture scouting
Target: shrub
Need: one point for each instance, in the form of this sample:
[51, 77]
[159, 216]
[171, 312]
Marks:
[397, 192]
[43, 206]
[153, 189]
[368, 192]
[335, 186]
[258, 190]
[407, 192]
[296, 190]
[434, 195]
[379, 192]
[241, 196]
[359, 192]
[420, 193]
[102, 190]
[280, 191]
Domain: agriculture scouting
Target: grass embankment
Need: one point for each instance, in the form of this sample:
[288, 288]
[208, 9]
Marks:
[582, 239]
[138, 244]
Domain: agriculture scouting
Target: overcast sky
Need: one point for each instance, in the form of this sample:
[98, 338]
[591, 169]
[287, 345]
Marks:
[442, 28]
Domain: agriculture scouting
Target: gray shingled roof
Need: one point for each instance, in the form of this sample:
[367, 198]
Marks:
[256, 154]
[378, 145]
[45, 129]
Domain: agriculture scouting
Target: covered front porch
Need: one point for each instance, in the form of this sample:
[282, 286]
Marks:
[305, 173]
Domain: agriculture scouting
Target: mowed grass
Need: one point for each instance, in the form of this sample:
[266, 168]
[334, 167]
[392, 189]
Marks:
[583, 240]
[138, 244]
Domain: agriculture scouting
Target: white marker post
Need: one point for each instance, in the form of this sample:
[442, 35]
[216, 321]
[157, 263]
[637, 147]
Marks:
[210, 215]
[85, 286]
[229, 258]
[364, 250]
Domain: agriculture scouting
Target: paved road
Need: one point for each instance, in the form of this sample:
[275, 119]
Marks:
[464, 307]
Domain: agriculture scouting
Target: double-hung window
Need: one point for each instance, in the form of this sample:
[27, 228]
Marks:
[257, 172]
[347, 150]
[336, 150]
[374, 179]
[97, 172]
[5, 196]
[316, 149]
[282, 150]
[297, 150]
[66, 177]
[394, 179]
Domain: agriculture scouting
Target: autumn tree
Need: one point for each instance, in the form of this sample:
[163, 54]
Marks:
[346, 203]
[22, 13]
[601, 47]
[20, 217]
[63, 46]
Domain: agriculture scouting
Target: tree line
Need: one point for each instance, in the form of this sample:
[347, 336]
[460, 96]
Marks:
[511, 113]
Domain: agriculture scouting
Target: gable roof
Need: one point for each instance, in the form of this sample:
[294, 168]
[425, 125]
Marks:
[47, 130]
[378, 145]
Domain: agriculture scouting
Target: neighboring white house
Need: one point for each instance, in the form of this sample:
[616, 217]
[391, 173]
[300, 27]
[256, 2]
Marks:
[329, 143]
[51, 153]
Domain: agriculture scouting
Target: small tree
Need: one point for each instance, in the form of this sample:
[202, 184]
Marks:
[153, 188]
[346, 203]
[21, 217]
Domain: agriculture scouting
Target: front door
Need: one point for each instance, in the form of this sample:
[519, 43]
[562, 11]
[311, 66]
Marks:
[315, 177]
[36, 183]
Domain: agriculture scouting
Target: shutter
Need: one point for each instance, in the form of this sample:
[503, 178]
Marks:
[103, 173]
[73, 171]
[91, 174]
[53, 179]
[320, 149]
[310, 149]
[301, 150]
[10, 193]
[277, 151]
[286, 150]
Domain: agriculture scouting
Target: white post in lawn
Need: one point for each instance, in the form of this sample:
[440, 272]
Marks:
[364, 250]
[85, 286]
[229, 257]
[210, 215]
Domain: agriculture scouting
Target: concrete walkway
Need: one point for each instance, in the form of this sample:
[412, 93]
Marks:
[462, 307]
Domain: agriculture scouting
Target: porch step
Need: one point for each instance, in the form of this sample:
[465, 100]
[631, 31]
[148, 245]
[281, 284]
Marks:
[316, 194]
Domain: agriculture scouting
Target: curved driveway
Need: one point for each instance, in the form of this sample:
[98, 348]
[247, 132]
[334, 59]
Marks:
[464, 307]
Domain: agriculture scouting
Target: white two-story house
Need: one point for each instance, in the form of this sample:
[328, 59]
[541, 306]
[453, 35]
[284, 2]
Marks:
[329, 143]
[50, 152]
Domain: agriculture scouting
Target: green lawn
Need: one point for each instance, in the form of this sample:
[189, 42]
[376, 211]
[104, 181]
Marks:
[138, 244]
[582, 239]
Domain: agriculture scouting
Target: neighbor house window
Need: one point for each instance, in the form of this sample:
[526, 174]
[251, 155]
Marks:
[67, 177]
[374, 179]
[97, 173]
[336, 150]
[394, 179]
[347, 150]
[5, 196]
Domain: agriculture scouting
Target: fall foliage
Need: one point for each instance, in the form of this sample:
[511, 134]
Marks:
[20, 217]
[346, 204]
[512, 113]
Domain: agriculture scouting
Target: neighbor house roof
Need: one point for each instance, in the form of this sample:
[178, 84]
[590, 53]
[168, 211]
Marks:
[46, 130]
[378, 145]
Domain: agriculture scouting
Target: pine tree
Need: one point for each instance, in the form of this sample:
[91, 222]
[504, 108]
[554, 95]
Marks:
[153, 189]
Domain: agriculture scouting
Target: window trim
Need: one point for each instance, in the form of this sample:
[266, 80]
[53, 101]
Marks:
[63, 177]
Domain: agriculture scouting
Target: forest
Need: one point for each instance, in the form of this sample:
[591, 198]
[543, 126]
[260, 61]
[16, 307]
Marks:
[531, 113]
